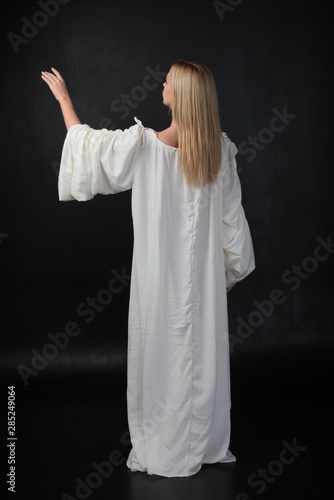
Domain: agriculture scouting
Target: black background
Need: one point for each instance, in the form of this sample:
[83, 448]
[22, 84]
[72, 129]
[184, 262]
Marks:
[265, 56]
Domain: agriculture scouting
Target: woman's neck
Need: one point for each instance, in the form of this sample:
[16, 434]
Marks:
[170, 135]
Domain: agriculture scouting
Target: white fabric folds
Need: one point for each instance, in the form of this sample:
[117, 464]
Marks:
[189, 245]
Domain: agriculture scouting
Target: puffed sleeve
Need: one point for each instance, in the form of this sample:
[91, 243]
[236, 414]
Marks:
[238, 246]
[97, 161]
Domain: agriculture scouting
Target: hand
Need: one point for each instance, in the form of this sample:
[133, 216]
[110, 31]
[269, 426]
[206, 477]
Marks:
[56, 84]
[229, 288]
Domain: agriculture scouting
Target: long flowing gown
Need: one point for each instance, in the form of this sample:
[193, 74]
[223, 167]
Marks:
[190, 243]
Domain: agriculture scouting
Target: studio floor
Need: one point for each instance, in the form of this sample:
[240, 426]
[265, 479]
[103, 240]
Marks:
[282, 436]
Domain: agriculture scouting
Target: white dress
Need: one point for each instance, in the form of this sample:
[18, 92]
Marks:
[189, 245]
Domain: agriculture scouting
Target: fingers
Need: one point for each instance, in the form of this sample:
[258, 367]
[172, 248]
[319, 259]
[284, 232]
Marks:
[57, 73]
[48, 78]
[49, 75]
[55, 83]
[52, 77]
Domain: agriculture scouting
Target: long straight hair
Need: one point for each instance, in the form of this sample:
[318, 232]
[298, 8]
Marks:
[194, 106]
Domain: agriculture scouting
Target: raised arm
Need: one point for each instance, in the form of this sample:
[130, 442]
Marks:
[59, 90]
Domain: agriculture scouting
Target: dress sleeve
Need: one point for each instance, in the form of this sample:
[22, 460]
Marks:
[238, 246]
[97, 161]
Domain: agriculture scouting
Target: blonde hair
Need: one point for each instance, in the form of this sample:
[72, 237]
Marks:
[194, 108]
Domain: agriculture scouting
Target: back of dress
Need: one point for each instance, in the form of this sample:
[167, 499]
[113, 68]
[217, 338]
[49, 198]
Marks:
[189, 245]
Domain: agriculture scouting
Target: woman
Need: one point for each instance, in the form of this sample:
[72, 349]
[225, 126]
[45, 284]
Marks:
[191, 244]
